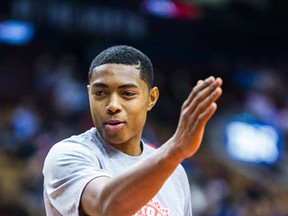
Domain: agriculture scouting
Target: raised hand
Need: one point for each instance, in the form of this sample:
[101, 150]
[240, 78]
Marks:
[195, 113]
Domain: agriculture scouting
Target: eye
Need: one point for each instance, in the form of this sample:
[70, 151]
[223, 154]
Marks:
[99, 93]
[128, 94]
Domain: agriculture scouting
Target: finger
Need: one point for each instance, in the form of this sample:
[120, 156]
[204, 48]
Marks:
[207, 101]
[206, 115]
[199, 87]
[199, 82]
[198, 95]
[203, 108]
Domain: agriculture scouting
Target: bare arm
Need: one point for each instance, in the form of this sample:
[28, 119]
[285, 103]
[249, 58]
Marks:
[124, 193]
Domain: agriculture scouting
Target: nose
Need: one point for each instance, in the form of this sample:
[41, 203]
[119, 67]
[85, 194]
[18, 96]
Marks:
[114, 105]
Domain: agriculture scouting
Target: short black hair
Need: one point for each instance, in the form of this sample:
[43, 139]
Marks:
[127, 55]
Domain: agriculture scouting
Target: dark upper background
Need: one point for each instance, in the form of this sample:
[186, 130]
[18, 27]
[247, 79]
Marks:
[229, 30]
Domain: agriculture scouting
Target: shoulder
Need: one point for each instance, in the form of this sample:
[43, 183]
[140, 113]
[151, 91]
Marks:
[76, 143]
[180, 176]
[149, 147]
[180, 171]
[78, 148]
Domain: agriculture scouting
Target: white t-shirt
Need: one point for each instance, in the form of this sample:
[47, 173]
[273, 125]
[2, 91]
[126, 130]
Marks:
[73, 162]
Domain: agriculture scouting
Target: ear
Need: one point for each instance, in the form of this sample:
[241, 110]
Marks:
[153, 97]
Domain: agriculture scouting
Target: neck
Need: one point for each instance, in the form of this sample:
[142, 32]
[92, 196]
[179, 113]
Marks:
[132, 150]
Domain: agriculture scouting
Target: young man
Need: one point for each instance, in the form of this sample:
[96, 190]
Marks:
[109, 170]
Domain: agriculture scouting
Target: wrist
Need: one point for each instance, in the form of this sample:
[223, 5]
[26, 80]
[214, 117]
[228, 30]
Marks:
[174, 153]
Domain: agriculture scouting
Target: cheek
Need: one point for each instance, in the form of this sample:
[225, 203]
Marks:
[138, 106]
[137, 116]
[96, 111]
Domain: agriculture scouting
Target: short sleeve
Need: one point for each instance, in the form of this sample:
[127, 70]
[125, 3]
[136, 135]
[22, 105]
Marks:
[67, 169]
[186, 190]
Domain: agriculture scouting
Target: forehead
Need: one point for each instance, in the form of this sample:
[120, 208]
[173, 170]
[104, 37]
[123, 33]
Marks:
[115, 72]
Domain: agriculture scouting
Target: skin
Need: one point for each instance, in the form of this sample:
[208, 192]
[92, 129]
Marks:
[110, 100]
[119, 101]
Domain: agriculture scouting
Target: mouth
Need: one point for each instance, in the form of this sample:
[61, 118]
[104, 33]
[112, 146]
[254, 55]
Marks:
[114, 125]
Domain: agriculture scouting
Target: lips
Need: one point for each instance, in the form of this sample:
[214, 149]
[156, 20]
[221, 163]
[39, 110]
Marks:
[114, 125]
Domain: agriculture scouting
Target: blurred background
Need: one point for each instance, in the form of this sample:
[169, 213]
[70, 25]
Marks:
[45, 51]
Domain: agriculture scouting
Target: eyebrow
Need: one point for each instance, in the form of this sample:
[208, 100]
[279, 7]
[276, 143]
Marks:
[99, 84]
[103, 85]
